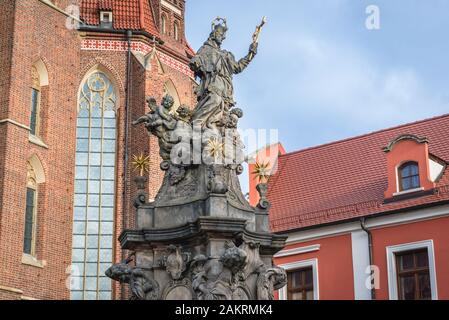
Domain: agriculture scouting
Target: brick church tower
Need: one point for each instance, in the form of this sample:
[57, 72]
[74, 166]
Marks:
[75, 75]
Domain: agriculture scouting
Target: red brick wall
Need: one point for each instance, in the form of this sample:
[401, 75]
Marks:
[67, 65]
[58, 48]
[6, 42]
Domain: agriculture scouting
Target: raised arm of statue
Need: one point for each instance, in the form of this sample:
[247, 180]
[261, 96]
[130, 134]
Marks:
[243, 63]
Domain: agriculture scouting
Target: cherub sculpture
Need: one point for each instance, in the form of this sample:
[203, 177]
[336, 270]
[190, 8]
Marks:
[160, 123]
[234, 146]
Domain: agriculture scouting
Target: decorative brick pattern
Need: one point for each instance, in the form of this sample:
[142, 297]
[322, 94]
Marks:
[140, 47]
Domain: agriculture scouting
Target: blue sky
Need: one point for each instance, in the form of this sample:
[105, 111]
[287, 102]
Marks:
[321, 75]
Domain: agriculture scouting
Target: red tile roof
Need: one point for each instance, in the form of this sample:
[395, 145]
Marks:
[127, 15]
[347, 179]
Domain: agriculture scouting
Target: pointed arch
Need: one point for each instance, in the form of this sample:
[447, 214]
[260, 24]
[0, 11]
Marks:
[169, 88]
[42, 72]
[101, 64]
[39, 80]
[35, 164]
[107, 75]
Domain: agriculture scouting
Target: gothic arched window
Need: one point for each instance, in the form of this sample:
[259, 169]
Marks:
[35, 102]
[29, 239]
[94, 188]
[35, 176]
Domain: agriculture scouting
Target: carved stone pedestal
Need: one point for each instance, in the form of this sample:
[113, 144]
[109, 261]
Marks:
[223, 254]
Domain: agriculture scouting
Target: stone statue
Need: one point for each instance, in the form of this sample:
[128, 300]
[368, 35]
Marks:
[216, 67]
[175, 262]
[269, 280]
[200, 210]
[142, 286]
[181, 137]
[160, 123]
[234, 148]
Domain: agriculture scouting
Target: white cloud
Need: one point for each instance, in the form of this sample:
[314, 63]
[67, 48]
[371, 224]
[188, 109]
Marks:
[337, 79]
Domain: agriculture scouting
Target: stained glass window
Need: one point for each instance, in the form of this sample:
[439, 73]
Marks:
[94, 189]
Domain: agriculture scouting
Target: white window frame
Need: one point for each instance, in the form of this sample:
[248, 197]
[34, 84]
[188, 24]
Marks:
[300, 265]
[392, 272]
[103, 14]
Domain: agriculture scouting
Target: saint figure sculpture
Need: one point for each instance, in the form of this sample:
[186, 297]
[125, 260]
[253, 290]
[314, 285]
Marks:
[215, 67]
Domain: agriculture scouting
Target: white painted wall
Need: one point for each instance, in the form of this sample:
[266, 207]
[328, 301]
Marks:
[435, 170]
[360, 263]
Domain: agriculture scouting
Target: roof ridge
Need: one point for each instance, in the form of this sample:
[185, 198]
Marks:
[364, 135]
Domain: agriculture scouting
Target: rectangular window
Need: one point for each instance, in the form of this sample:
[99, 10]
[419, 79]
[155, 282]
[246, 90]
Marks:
[300, 284]
[411, 271]
[413, 276]
[28, 245]
[35, 97]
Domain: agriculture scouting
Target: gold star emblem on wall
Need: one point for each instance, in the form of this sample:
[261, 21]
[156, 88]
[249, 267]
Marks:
[141, 163]
[262, 172]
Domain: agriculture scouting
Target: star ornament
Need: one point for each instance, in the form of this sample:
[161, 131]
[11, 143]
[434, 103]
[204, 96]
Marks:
[215, 148]
[141, 163]
[262, 171]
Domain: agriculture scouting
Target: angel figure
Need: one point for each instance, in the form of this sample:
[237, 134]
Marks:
[160, 122]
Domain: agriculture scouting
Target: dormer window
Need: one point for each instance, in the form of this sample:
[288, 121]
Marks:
[411, 172]
[106, 19]
[409, 176]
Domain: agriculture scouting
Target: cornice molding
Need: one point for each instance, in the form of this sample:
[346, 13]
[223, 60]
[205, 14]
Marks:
[403, 137]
